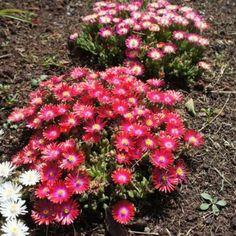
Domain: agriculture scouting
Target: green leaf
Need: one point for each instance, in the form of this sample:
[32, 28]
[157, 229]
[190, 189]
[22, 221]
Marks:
[190, 107]
[215, 209]
[221, 203]
[204, 206]
[43, 77]
[206, 196]
[34, 83]
[131, 194]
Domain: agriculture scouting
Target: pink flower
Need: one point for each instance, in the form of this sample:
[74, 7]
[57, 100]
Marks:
[169, 48]
[67, 212]
[175, 131]
[52, 132]
[42, 191]
[133, 42]
[148, 142]
[105, 32]
[155, 96]
[156, 82]
[72, 159]
[167, 142]
[122, 158]
[122, 30]
[121, 176]
[123, 142]
[120, 107]
[68, 145]
[94, 126]
[204, 65]
[179, 35]
[106, 19]
[136, 68]
[164, 180]
[64, 92]
[36, 98]
[34, 122]
[68, 121]
[132, 53]
[180, 170]
[51, 152]
[48, 112]
[16, 116]
[62, 108]
[193, 38]
[73, 36]
[59, 192]
[44, 212]
[50, 173]
[202, 25]
[84, 111]
[123, 211]
[193, 138]
[155, 54]
[78, 73]
[78, 182]
[161, 159]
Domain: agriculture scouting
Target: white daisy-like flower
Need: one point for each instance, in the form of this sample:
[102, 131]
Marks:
[10, 191]
[11, 209]
[6, 169]
[14, 228]
[29, 178]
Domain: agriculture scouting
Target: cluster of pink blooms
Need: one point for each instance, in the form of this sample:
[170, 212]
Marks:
[79, 107]
[144, 28]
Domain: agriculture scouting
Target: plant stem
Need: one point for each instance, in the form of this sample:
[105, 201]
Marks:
[74, 230]
[47, 230]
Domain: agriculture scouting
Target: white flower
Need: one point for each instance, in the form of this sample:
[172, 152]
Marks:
[6, 169]
[10, 191]
[14, 228]
[29, 178]
[11, 209]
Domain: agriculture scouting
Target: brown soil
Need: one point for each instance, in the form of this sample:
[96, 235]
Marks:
[25, 52]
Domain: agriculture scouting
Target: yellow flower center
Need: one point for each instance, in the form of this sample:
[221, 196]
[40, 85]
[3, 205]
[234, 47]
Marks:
[179, 171]
[66, 94]
[123, 211]
[192, 140]
[148, 142]
[71, 158]
[124, 141]
[45, 212]
[66, 211]
[149, 122]
[161, 158]
[60, 193]
[96, 127]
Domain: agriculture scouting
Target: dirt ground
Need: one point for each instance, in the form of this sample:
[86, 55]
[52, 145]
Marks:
[27, 52]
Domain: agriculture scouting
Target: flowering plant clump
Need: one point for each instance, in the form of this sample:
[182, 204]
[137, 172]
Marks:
[12, 205]
[152, 37]
[101, 139]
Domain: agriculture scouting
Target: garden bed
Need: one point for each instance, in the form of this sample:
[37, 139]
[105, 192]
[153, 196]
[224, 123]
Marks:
[28, 52]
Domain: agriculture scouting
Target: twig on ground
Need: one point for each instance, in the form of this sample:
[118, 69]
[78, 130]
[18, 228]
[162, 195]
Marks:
[169, 233]
[4, 56]
[223, 92]
[143, 233]
[208, 123]
[222, 176]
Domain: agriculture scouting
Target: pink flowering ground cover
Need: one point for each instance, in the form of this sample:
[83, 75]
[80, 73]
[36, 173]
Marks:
[102, 139]
[148, 37]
